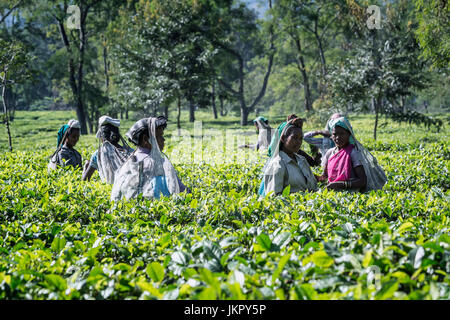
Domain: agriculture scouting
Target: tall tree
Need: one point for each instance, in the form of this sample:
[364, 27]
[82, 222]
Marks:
[14, 69]
[75, 44]
[433, 32]
[234, 34]
[384, 69]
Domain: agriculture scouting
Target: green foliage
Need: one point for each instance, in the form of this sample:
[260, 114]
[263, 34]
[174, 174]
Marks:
[61, 238]
[433, 32]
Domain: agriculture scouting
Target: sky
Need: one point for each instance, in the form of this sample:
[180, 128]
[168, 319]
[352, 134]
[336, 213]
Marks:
[259, 5]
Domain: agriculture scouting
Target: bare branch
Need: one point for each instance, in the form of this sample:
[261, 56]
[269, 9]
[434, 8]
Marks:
[10, 10]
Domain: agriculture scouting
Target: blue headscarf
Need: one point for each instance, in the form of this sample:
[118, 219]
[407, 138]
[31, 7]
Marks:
[62, 131]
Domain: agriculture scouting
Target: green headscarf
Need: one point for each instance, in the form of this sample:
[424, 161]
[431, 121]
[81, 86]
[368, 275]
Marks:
[343, 123]
[260, 118]
[61, 133]
[276, 137]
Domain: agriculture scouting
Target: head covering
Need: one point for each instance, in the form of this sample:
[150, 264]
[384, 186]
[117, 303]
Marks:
[142, 125]
[280, 131]
[137, 177]
[265, 132]
[104, 120]
[376, 178]
[333, 117]
[110, 157]
[272, 165]
[260, 118]
[343, 123]
[62, 131]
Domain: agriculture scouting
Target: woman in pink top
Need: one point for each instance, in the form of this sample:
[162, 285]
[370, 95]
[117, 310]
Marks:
[342, 164]
[349, 166]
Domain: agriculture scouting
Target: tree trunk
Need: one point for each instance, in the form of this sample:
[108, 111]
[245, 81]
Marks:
[302, 69]
[213, 100]
[105, 67]
[76, 87]
[179, 114]
[191, 110]
[404, 109]
[97, 116]
[5, 109]
[80, 104]
[322, 85]
[90, 119]
[244, 114]
[245, 110]
[126, 114]
[166, 111]
[376, 125]
[222, 111]
[377, 105]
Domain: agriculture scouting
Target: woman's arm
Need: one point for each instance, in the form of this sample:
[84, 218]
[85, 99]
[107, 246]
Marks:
[311, 161]
[324, 176]
[325, 133]
[358, 183]
[87, 172]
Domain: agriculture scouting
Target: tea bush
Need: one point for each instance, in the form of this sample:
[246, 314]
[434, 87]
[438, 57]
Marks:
[61, 238]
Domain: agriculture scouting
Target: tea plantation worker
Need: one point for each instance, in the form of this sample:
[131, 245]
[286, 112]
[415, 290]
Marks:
[65, 153]
[311, 161]
[350, 166]
[147, 171]
[285, 166]
[264, 132]
[110, 155]
[325, 143]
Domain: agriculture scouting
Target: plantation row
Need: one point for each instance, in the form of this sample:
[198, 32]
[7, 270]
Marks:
[61, 238]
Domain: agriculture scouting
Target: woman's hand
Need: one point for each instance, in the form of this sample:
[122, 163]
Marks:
[297, 122]
[336, 186]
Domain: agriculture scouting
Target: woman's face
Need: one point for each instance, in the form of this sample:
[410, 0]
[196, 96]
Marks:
[340, 136]
[110, 135]
[160, 137]
[72, 138]
[114, 137]
[293, 141]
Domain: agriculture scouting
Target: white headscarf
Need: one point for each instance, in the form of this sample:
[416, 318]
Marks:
[74, 124]
[137, 177]
[265, 133]
[109, 157]
[106, 120]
